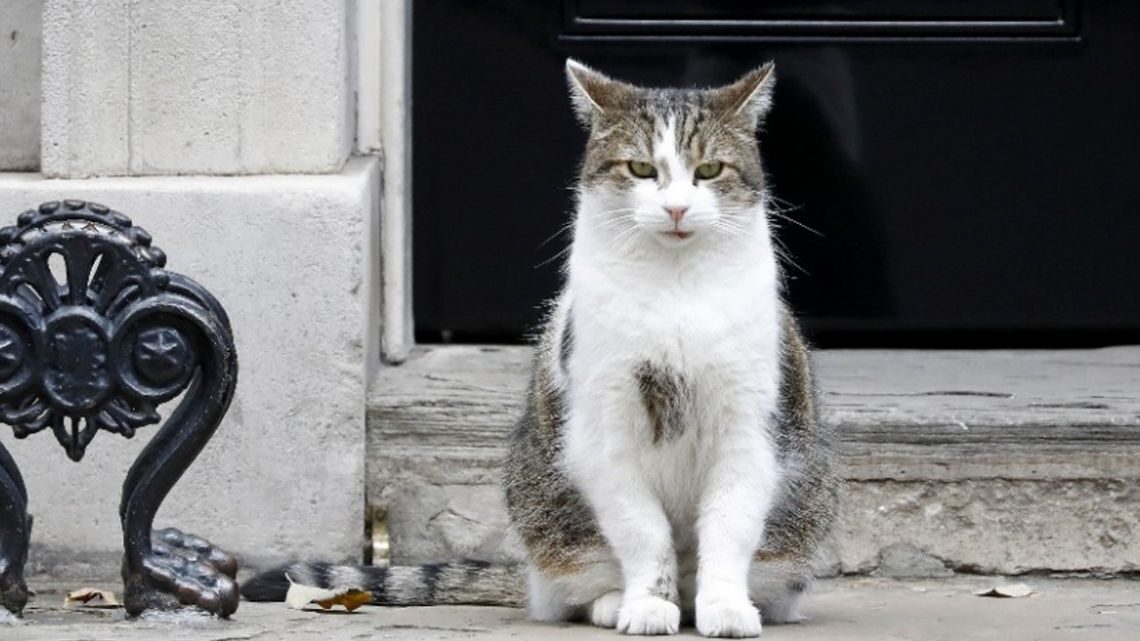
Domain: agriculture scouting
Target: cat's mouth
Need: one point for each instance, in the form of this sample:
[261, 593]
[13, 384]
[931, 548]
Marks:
[678, 234]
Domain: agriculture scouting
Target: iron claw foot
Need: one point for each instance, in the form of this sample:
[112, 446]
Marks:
[183, 570]
[175, 541]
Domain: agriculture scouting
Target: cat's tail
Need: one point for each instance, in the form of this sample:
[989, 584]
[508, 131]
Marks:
[451, 583]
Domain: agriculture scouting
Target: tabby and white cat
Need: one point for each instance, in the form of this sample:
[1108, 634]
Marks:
[671, 459]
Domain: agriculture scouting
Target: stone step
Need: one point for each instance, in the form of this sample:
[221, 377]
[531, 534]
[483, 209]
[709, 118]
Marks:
[1000, 462]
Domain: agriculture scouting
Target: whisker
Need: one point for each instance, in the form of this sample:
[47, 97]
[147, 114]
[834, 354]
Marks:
[775, 212]
[561, 230]
[797, 223]
[729, 227]
[600, 214]
[728, 224]
[780, 208]
[555, 257]
[781, 204]
[606, 224]
[785, 256]
[626, 238]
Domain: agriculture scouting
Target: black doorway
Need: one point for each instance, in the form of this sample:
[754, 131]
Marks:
[972, 167]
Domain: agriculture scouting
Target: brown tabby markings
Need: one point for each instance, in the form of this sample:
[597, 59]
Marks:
[701, 133]
[566, 344]
[665, 587]
[553, 519]
[666, 396]
[802, 519]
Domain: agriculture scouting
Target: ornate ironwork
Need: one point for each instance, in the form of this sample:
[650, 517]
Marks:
[95, 335]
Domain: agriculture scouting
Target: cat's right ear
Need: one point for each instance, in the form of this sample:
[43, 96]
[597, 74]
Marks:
[593, 92]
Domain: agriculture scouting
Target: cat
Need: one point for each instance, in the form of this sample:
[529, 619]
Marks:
[671, 459]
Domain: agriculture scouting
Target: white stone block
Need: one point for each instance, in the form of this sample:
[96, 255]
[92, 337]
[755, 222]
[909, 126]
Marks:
[86, 68]
[288, 257]
[176, 87]
[20, 84]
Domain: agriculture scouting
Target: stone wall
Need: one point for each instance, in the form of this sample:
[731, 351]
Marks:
[164, 87]
[20, 85]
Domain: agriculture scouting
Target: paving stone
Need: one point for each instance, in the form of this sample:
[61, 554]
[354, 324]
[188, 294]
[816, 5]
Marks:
[847, 609]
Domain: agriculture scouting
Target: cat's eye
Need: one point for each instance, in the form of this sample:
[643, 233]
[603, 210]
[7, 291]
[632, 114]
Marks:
[709, 170]
[642, 169]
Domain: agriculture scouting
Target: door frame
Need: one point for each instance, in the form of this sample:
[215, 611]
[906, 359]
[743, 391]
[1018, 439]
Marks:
[384, 128]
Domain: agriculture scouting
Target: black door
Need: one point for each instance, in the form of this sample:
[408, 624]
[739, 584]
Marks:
[959, 171]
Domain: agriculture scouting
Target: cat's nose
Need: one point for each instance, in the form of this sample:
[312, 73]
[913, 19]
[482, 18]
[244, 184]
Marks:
[676, 213]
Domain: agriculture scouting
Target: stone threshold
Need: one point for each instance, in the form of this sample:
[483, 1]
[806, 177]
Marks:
[981, 461]
[901, 414]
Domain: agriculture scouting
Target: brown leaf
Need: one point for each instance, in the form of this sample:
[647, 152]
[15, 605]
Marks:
[91, 598]
[300, 596]
[350, 600]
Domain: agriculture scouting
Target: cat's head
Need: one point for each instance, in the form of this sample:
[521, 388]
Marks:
[674, 165]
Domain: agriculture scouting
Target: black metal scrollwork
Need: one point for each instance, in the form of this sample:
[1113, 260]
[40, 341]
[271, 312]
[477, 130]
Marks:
[95, 335]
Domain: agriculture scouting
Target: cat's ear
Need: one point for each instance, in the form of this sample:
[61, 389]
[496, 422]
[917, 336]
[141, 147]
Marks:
[751, 96]
[594, 93]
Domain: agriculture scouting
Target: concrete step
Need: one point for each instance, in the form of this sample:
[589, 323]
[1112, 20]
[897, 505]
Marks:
[1002, 462]
[852, 609]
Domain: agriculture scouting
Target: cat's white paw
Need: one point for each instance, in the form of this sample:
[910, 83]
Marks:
[649, 615]
[604, 610]
[733, 617]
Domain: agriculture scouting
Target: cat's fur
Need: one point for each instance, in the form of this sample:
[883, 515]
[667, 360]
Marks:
[671, 456]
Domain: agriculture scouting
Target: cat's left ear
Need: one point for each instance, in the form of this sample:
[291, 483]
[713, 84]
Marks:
[751, 96]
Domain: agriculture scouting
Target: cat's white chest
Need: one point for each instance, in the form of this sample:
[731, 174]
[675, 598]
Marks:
[704, 328]
[720, 341]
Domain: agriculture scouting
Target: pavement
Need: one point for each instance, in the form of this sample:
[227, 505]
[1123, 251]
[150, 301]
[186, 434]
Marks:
[846, 609]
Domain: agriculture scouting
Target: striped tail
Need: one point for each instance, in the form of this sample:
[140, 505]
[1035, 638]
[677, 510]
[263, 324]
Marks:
[452, 583]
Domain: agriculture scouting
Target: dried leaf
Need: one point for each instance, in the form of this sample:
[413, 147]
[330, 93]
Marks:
[1009, 591]
[91, 598]
[300, 596]
[351, 600]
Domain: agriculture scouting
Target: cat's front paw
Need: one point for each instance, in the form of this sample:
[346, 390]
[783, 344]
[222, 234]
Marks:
[727, 617]
[604, 610]
[649, 615]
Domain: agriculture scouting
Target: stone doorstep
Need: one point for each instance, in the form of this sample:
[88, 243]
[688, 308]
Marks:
[1002, 462]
